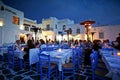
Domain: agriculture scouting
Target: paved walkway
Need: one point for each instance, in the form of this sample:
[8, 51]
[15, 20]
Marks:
[17, 74]
[27, 74]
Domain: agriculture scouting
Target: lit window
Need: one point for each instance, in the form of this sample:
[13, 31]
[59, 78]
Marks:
[101, 35]
[15, 20]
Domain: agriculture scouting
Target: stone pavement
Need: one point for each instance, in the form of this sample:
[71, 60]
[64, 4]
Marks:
[17, 74]
[27, 74]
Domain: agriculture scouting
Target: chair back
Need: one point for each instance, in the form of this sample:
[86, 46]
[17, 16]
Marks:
[10, 50]
[65, 46]
[68, 70]
[49, 48]
[44, 59]
[79, 51]
[94, 59]
[78, 57]
[12, 59]
[74, 58]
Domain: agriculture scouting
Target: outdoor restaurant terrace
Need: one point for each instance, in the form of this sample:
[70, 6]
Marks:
[75, 60]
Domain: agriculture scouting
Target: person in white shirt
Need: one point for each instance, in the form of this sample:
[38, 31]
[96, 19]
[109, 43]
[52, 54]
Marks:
[18, 49]
[17, 46]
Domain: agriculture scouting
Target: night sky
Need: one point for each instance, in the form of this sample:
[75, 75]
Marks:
[104, 12]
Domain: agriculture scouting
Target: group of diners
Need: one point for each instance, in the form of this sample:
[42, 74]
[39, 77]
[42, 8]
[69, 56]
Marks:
[96, 44]
[86, 46]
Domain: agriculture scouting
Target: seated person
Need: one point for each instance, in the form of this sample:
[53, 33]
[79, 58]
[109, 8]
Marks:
[18, 49]
[37, 45]
[17, 46]
[30, 45]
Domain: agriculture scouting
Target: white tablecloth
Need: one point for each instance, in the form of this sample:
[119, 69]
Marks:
[56, 56]
[33, 55]
[112, 63]
[60, 57]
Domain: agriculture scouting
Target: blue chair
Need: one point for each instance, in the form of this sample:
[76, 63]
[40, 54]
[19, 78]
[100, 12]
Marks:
[27, 64]
[44, 49]
[47, 69]
[68, 69]
[49, 48]
[12, 59]
[94, 64]
[1, 56]
[79, 56]
[31, 67]
[65, 46]
[99, 61]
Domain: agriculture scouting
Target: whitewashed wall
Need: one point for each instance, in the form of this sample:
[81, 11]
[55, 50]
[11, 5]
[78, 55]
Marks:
[10, 31]
[110, 32]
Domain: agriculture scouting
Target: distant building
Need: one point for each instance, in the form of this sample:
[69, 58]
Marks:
[78, 31]
[106, 32]
[27, 30]
[53, 28]
[14, 26]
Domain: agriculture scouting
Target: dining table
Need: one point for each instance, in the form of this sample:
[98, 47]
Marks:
[112, 62]
[59, 56]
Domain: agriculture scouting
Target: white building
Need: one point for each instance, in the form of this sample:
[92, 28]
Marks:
[13, 25]
[28, 26]
[106, 32]
[11, 21]
[52, 27]
[78, 31]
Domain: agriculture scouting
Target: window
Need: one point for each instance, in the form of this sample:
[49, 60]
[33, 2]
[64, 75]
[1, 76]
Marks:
[56, 26]
[101, 35]
[48, 27]
[78, 30]
[26, 27]
[64, 27]
[2, 8]
[15, 20]
[32, 29]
